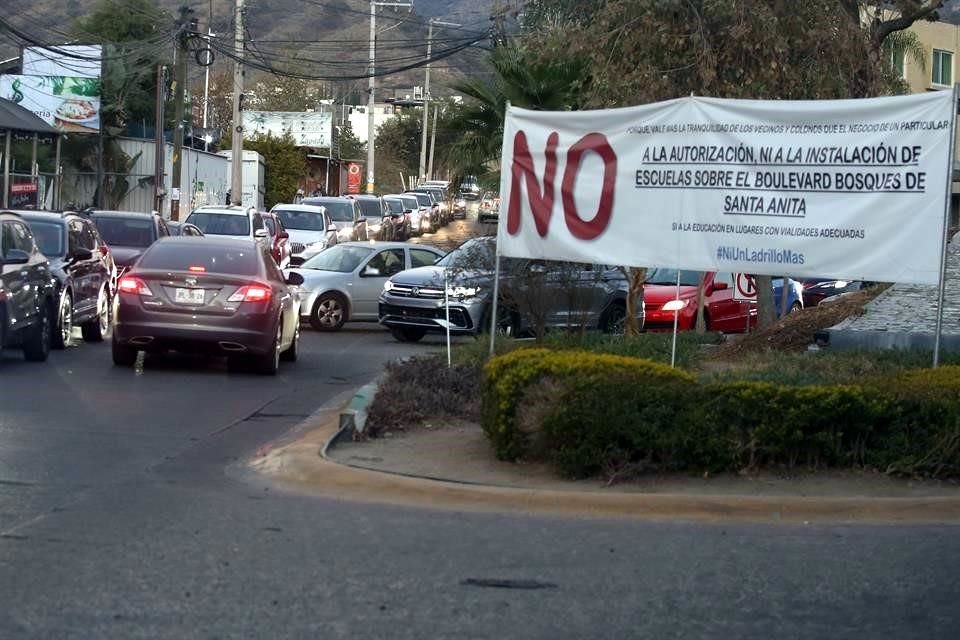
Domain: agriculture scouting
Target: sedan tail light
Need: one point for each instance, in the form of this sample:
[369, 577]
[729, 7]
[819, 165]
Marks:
[131, 284]
[251, 293]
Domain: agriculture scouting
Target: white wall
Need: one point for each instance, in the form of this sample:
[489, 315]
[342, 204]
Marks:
[359, 119]
[204, 179]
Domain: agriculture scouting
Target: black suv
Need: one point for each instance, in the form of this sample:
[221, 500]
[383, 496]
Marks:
[26, 290]
[82, 271]
[128, 234]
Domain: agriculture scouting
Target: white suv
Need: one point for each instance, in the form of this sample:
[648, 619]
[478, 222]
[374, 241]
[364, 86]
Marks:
[230, 222]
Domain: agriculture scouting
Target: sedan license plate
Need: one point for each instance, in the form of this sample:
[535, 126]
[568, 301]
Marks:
[190, 296]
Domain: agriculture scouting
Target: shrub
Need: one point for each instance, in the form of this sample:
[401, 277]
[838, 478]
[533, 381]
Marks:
[418, 388]
[585, 412]
[612, 381]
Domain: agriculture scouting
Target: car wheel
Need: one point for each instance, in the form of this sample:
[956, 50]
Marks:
[508, 322]
[614, 319]
[123, 355]
[98, 328]
[293, 351]
[329, 312]
[408, 334]
[63, 334]
[269, 363]
[36, 345]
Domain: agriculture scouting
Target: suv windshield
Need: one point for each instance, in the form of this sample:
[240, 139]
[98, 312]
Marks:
[338, 210]
[411, 203]
[370, 208]
[669, 276]
[301, 220]
[49, 237]
[477, 254]
[126, 232]
[340, 258]
[395, 205]
[220, 224]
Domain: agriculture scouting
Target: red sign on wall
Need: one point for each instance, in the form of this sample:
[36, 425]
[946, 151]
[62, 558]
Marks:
[353, 178]
[23, 187]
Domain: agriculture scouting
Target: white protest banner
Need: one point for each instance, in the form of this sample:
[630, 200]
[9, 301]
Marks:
[851, 189]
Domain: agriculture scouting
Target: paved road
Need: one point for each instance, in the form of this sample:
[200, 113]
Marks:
[122, 516]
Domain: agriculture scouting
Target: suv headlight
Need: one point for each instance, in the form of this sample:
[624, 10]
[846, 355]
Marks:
[387, 286]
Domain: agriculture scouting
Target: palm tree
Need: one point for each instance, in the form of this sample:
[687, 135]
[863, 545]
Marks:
[900, 45]
[523, 81]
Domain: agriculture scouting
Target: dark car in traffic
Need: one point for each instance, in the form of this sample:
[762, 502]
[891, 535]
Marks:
[82, 271]
[215, 296]
[128, 234]
[26, 290]
[531, 293]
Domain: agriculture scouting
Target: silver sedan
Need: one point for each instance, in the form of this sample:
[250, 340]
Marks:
[343, 283]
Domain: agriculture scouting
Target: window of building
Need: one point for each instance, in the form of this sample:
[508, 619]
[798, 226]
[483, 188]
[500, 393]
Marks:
[898, 62]
[942, 67]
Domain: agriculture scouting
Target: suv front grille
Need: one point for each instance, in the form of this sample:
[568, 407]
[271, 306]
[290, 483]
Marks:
[411, 291]
[297, 247]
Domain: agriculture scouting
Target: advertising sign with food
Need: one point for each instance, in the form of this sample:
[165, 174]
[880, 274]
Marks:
[68, 103]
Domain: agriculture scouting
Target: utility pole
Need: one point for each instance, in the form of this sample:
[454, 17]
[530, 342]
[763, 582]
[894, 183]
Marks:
[433, 140]
[158, 139]
[236, 167]
[371, 87]
[426, 96]
[206, 82]
[179, 97]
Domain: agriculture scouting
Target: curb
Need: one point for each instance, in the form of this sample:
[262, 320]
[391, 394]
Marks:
[302, 465]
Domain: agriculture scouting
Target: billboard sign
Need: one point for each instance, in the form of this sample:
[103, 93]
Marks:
[69, 60]
[851, 189]
[71, 104]
[353, 178]
[309, 129]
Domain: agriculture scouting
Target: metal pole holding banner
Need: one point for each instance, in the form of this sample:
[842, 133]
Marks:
[493, 304]
[676, 323]
[941, 293]
[446, 306]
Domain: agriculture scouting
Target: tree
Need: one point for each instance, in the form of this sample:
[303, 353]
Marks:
[350, 147]
[137, 36]
[285, 165]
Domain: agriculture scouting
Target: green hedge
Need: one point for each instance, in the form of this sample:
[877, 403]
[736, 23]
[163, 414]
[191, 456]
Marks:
[584, 411]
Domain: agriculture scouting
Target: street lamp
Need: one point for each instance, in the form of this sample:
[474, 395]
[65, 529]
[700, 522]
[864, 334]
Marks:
[371, 133]
[426, 96]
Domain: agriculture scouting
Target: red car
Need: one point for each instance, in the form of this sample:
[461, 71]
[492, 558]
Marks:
[280, 247]
[721, 311]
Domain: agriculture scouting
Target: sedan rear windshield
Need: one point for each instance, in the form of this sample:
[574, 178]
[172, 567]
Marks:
[411, 203]
[49, 236]
[198, 255]
[339, 210]
[126, 232]
[220, 224]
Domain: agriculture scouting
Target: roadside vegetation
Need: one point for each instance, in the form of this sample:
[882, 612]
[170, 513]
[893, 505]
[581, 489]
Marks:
[594, 404]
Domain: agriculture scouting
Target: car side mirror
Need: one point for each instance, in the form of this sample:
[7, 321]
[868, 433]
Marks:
[361, 219]
[332, 228]
[261, 233]
[82, 255]
[371, 271]
[284, 235]
[16, 256]
[407, 211]
[720, 286]
[294, 279]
